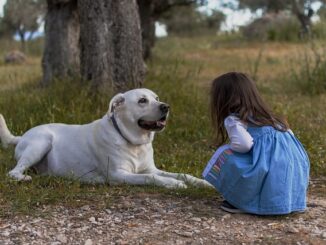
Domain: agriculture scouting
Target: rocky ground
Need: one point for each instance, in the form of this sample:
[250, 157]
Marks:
[147, 218]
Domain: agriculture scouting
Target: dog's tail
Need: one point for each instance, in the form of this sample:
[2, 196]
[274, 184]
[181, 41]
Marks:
[5, 136]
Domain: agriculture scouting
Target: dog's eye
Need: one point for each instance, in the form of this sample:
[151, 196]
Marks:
[142, 101]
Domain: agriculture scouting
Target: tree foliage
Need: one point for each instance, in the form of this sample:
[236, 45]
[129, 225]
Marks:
[301, 9]
[322, 11]
[265, 5]
[22, 16]
[152, 10]
[187, 21]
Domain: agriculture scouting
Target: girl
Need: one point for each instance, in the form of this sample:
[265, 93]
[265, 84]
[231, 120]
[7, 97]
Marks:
[265, 169]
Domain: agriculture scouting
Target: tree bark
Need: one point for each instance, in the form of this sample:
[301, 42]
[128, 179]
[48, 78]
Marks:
[21, 34]
[61, 51]
[111, 45]
[147, 20]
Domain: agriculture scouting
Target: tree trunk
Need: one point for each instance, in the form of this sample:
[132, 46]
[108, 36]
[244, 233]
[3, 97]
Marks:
[147, 20]
[111, 46]
[304, 19]
[61, 51]
[21, 34]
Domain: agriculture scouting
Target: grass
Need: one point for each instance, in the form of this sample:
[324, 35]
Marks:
[311, 75]
[179, 73]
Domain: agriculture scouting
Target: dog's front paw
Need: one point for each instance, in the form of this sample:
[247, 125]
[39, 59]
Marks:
[176, 184]
[19, 176]
[181, 185]
[201, 183]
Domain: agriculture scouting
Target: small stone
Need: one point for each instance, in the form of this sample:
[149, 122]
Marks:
[226, 216]
[159, 222]
[196, 219]
[92, 220]
[187, 234]
[62, 238]
[85, 208]
[117, 220]
[323, 235]
[122, 242]
[184, 233]
[156, 216]
[88, 242]
[292, 230]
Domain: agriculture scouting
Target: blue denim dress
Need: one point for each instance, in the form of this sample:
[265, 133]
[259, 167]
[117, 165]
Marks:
[272, 178]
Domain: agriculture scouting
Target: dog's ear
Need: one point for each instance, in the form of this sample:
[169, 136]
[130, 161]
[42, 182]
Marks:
[116, 101]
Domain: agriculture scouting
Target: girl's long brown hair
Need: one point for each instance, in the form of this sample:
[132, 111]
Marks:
[236, 93]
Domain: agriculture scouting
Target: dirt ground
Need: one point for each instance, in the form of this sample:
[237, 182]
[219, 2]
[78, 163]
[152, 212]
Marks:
[146, 218]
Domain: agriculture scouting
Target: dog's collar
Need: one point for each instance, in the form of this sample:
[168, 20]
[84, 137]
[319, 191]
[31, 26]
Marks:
[115, 125]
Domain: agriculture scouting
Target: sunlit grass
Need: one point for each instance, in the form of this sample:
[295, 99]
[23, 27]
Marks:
[180, 73]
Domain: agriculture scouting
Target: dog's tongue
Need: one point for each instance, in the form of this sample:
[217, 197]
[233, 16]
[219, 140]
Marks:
[157, 123]
[160, 123]
[153, 124]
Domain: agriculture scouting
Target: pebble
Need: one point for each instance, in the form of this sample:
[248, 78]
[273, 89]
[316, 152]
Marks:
[92, 220]
[146, 223]
[195, 219]
[62, 238]
[184, 233]
[292, 230]
[226, 216]
[85, 208]
[88, 242]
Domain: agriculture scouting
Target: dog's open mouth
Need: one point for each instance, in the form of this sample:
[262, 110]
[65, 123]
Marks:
[152, 125]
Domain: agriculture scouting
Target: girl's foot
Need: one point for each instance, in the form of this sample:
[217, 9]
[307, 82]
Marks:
[226, 206]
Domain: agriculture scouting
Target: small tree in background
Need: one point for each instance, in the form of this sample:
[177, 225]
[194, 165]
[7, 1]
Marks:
[151, 11]
[214, 20]
[301, 9]
[322, 11]
[22, 17]
[188, 21]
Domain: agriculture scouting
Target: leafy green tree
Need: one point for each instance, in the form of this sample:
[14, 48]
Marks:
[215, 20]
[299, 8]
[322, 11]
[188, 21]
[23, 16]
[265, 5]
[151, 11]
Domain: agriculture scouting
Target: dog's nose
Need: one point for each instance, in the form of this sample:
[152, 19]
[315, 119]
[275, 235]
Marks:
[164, 108]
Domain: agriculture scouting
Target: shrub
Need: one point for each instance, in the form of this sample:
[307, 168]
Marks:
[319, 29]
[310, 76]
[273, 27]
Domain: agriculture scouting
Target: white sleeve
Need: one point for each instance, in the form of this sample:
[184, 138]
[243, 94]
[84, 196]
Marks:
[240, 140]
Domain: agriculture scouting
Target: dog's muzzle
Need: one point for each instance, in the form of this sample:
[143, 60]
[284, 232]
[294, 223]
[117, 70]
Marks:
[156, 125]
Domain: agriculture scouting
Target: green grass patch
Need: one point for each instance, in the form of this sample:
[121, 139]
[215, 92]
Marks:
[179, 73]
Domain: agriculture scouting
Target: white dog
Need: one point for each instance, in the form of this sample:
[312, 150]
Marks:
[114, 149]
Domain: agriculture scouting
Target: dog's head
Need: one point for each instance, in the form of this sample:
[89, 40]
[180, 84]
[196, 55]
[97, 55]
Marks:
[139, 111]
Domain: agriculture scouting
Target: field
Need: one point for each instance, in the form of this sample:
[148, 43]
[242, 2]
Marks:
[180, 73]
